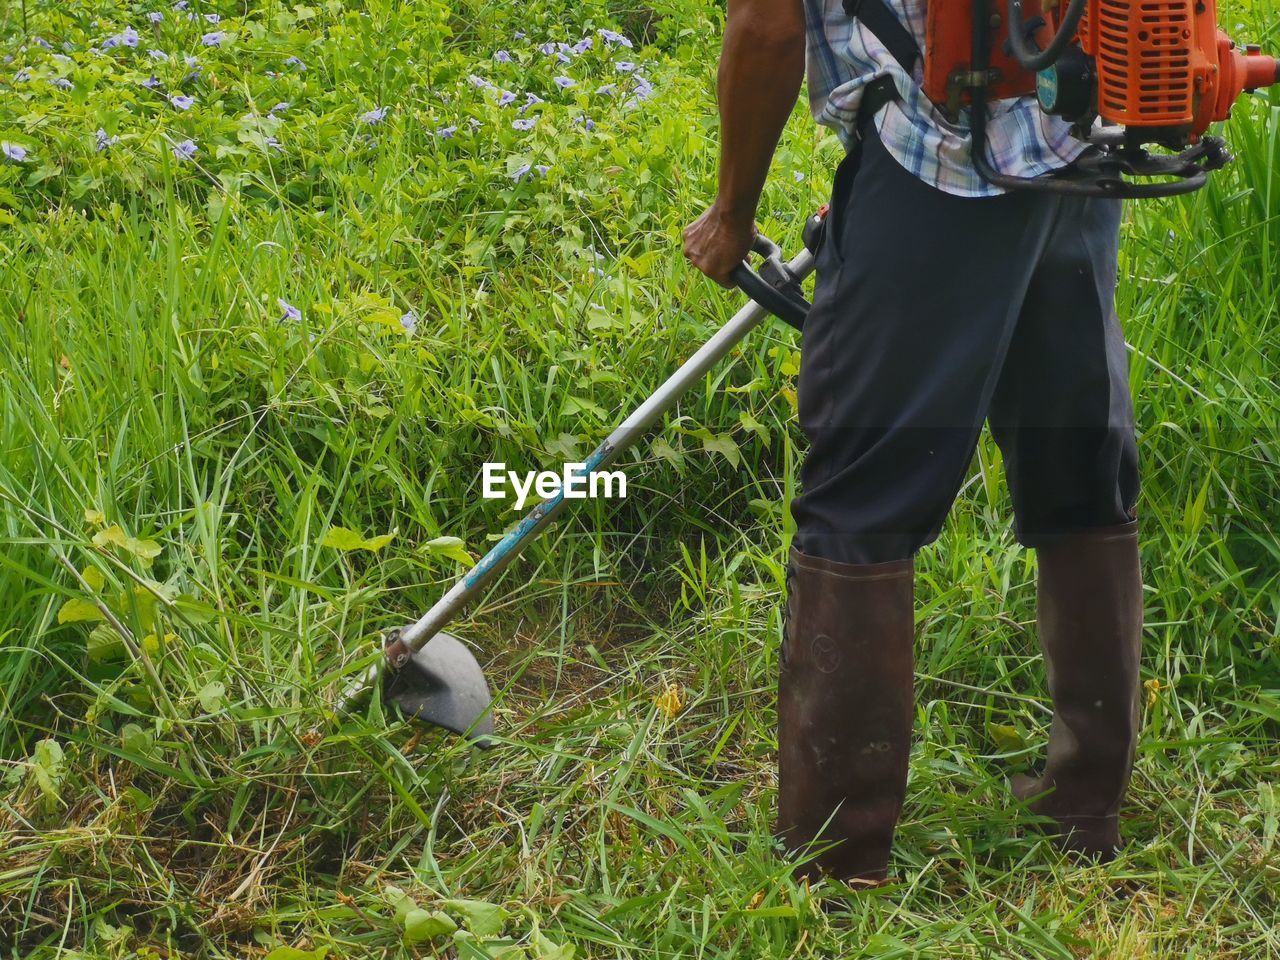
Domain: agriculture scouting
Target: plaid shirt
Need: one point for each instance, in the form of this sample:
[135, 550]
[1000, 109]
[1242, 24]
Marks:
[843, 56]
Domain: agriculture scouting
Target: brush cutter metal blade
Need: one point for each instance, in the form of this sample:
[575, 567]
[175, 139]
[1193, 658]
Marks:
[442, 684]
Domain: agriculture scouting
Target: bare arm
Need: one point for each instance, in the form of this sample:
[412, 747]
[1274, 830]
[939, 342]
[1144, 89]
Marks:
[761, 68]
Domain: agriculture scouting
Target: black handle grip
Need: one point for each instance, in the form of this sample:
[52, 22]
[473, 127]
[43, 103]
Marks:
[780, 295]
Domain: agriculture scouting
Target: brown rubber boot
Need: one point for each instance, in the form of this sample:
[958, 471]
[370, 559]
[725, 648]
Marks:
[844, 713]
[1090, 618]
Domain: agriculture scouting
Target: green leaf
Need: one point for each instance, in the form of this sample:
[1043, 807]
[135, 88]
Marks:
[661, 448]
[722, 444]
[422, 925]
[790, 365]
[549, 950]
[293, 953]
[576, 405]
[340, 538]
[94, 578]
[755, 426]
[565, 446]
[47, 769]
[400, 902]
[135, 740]
[1007, 739]
[48, 754]
[374, 544]
[482, 918]
[212, 696]
[104, 644]
[451, 547]
[79, 611]
[114, 536]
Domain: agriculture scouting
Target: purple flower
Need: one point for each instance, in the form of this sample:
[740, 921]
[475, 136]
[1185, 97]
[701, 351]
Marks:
[624, 66]
[564, 83]
[212, 18]
[185, 150]
[151, 83]
[615, 39]
[502, 56]
[22, 76]
[505, 98]
[523, 171]
[798, 177]
[102, 141]
[159, 55]
[608, 90]
[41, 42]
[564, 57]
[480, 83]
[586, 122]
[290, 311]
[529, 100]
[15, 152]
[643, 89]
[523, 124]
[155, 16]
[295, 62]
[446, 133]
[374, 116]
[128, 38]
[582, 46]
[180, 5]
[547, 49]
[62, 83]
[519, 35]
[280, 107]
[214, 38]
[190, 61]
[181, 101]
[275, 144]
[409, 320]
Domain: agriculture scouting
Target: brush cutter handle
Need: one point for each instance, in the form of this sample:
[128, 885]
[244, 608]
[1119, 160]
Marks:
[775, 287]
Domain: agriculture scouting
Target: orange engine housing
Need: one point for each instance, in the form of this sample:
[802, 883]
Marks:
[1166, 64]
[1159, 64]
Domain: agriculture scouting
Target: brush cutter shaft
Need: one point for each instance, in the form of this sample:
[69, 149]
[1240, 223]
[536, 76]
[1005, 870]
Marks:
[626, 433]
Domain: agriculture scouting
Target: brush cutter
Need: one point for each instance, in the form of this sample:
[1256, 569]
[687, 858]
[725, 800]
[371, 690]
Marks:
[431, 675]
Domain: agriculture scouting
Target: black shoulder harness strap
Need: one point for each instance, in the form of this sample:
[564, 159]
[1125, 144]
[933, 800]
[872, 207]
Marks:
[876, 16]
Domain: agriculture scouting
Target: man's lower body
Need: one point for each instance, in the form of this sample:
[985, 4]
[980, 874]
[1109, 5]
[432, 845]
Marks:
[935, 313]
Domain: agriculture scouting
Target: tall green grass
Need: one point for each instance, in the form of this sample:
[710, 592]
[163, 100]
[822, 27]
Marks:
[187, 792]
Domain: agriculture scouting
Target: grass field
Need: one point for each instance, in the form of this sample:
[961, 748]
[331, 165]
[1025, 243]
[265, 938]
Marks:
[316, 297]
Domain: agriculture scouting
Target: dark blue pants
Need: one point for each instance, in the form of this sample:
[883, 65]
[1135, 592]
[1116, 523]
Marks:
[933, 313]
